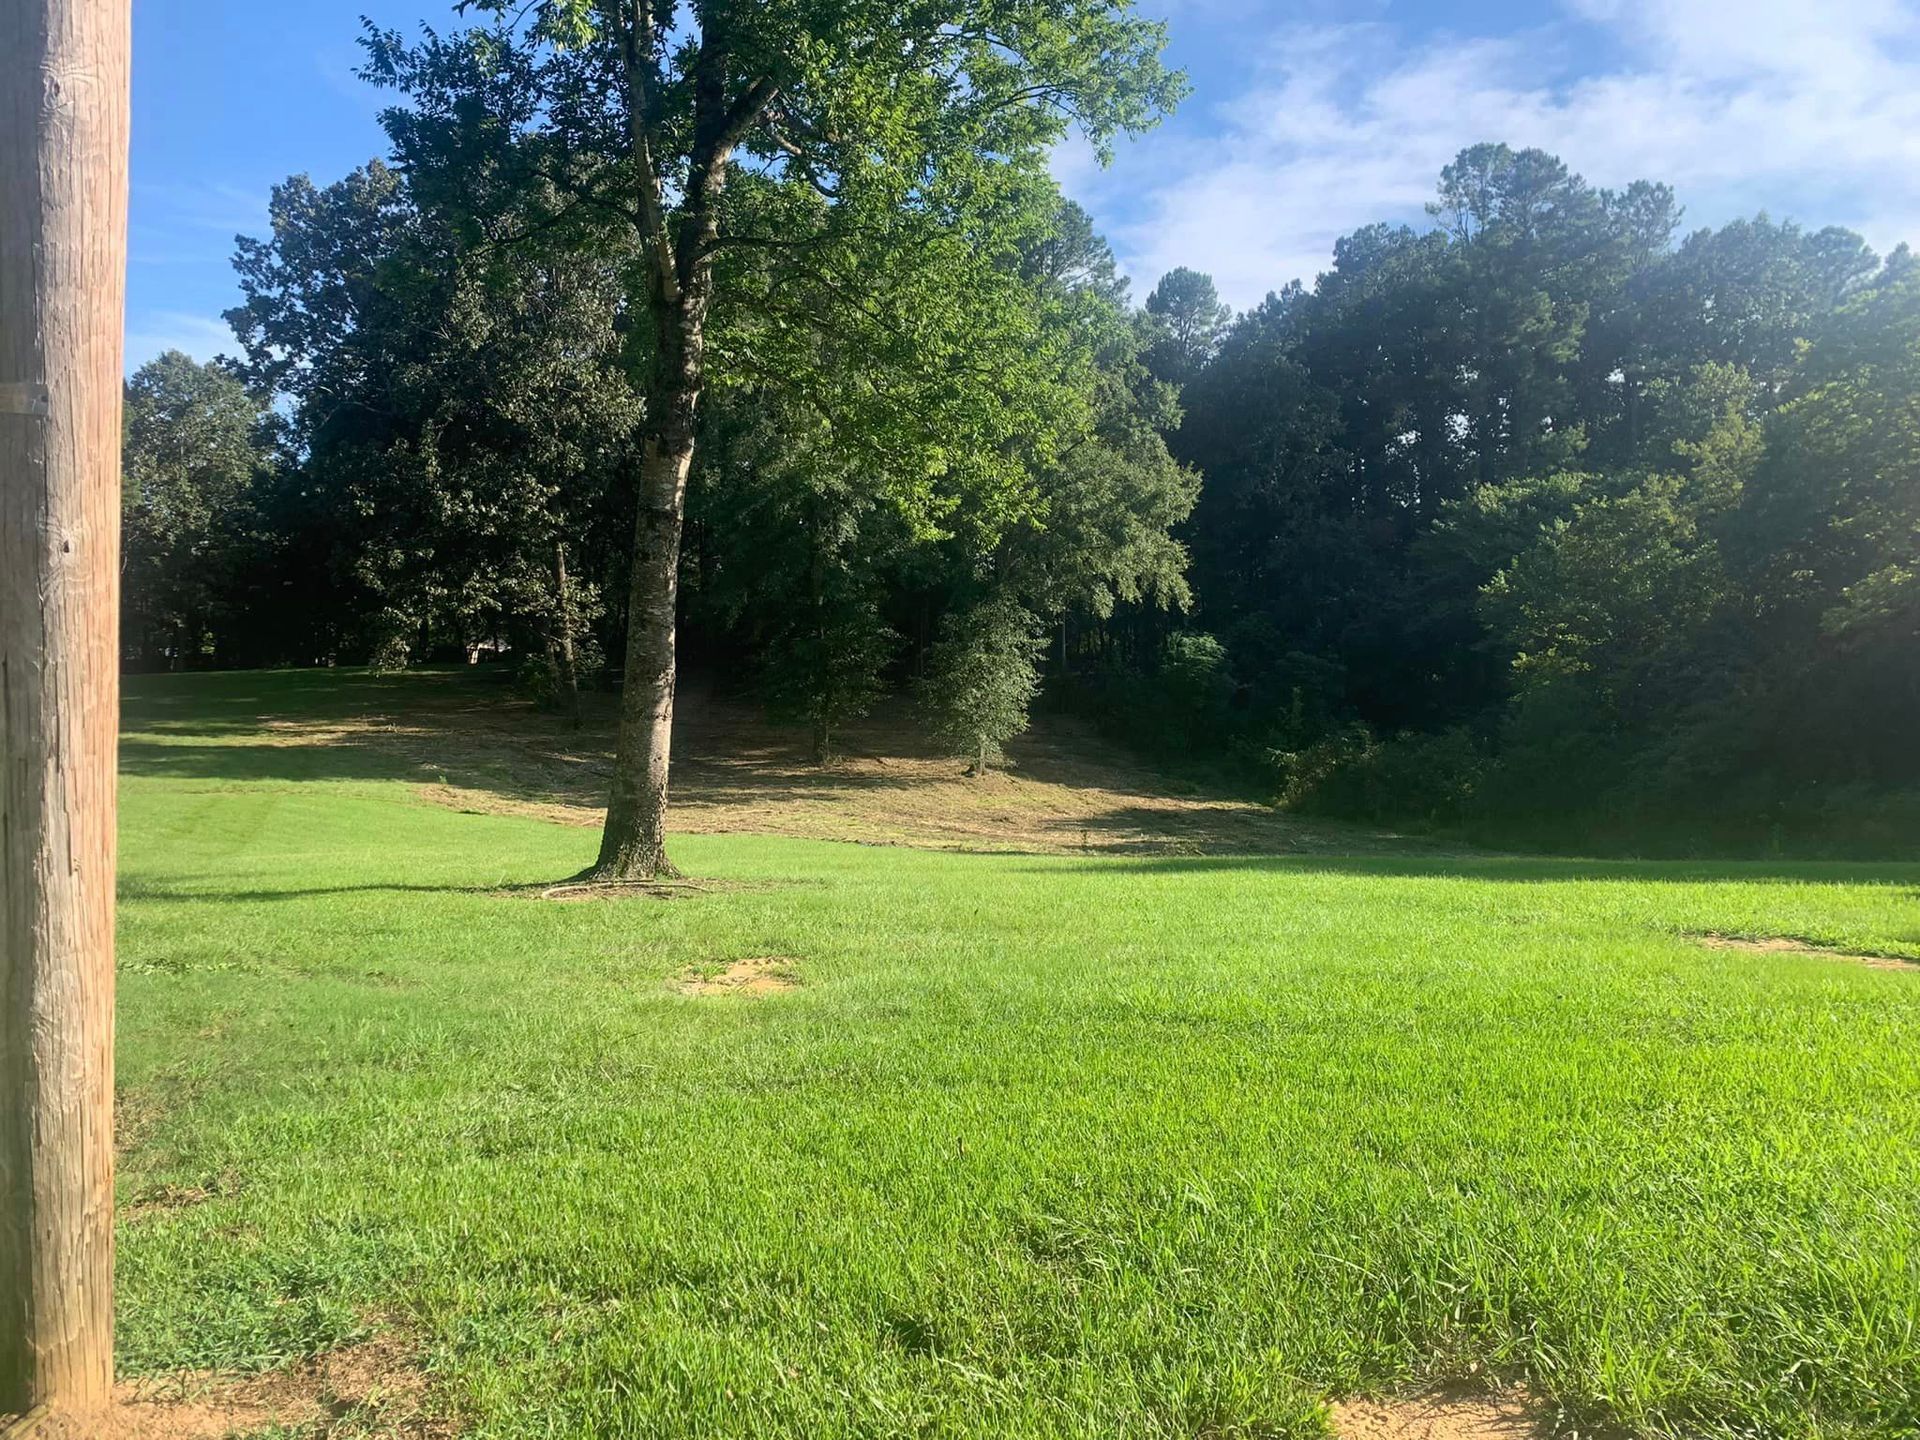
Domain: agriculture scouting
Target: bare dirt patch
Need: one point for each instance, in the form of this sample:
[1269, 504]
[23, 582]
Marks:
[1451, 1414]
[1799, 948]
[154, 1200]
[759, 975]
[374, 1388]
[166, 1198]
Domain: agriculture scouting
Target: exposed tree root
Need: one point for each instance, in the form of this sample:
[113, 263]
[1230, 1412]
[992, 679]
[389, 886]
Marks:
[675, 888]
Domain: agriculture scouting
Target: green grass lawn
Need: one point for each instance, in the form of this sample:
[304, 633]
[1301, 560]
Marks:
[1042, 1146]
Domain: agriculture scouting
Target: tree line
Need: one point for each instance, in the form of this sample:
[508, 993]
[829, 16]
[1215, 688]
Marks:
[673, 329]
[1540, 524]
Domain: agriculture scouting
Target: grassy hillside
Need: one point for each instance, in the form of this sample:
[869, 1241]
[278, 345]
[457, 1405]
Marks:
[1039, 1145]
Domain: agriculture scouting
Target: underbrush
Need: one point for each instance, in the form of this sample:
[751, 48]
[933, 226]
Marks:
[1545, 778]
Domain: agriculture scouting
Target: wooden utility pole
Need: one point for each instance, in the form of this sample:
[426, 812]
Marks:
[63, 242]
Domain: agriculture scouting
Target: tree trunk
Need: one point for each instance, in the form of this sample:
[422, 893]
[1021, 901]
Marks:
[1633, 411]
[634, 844]
[566, 669]
[63, 218]
[817, 595]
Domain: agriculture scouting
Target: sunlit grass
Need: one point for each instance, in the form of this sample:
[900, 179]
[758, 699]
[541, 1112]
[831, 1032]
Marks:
[1041, 1146]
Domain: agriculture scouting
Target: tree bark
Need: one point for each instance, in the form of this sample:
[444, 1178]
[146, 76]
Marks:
[63, 217]
[823, 698]
[633, 846]
[566, 666]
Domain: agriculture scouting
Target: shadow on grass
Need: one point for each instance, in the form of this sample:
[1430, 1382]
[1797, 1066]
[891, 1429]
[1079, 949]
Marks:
[342, 760]
[1531, 869]
[142, 890]
[205, 701]
[475, 743]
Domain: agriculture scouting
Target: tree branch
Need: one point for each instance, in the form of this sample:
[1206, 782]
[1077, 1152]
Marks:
[636, 56]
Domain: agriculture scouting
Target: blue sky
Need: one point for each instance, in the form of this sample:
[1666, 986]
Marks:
[1306, 120]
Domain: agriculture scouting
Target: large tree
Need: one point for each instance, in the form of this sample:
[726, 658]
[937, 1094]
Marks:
[813, 553]
[195, 440]
[846, 144]
[793, 539]
[1188, 318]
[454, 411]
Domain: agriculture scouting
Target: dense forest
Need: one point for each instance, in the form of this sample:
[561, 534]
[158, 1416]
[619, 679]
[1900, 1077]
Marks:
[1542, 522]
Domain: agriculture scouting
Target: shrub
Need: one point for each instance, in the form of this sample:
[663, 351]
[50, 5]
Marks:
[981, 679]
[1432, 780]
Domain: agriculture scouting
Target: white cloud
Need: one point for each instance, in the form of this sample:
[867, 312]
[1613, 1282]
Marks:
[1808, 111]
[1830, 45]
[155, 332]
[222, 207]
